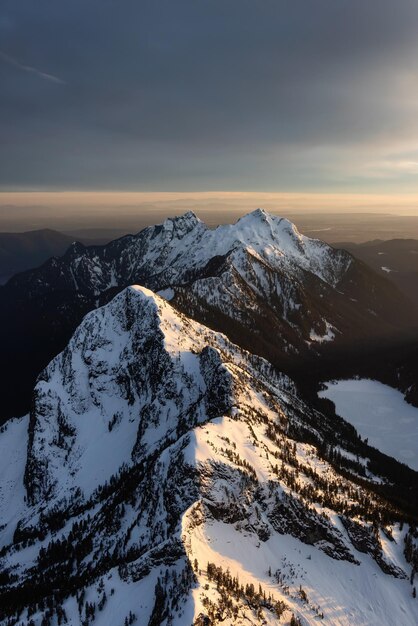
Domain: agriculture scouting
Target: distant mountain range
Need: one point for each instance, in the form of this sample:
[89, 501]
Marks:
[20, 251]
[396, 258]
[26, 250]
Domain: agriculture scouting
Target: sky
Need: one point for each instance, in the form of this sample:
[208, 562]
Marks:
[278, 96]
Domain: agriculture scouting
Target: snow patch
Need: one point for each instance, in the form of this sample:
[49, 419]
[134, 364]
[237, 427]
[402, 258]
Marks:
[387, 269]
[168, 294]
[329, 334]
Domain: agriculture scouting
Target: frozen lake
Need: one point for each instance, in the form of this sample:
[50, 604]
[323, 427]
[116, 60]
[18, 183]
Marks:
[379, 413]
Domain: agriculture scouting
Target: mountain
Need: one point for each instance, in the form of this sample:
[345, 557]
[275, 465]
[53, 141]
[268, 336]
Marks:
[20, 251]
[293, 300]
[397, 259]
[167, 476]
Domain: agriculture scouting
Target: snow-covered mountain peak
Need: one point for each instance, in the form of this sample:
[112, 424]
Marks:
[278, 242]
[181, 249]
[181, 225]
[273, 238]
[131, 373]
[180, 333]
[173, 478]
[261, 227]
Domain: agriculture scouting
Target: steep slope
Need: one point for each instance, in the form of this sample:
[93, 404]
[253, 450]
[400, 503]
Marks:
[279, 294]
[397, 259]
[172, 478]
[21, 251]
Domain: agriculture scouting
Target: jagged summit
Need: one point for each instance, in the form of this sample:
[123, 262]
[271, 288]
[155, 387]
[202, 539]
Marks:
[182, 224]
[181, 247]
[260, 216]
[273, 238]
[117, 369]
[278, 240]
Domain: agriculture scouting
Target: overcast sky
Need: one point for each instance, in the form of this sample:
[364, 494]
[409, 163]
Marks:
[187, 95]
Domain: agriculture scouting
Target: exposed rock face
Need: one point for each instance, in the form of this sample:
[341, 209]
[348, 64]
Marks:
[169, 473]
[279, 294]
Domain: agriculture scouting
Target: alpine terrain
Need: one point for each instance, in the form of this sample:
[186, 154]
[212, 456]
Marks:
[169, 471]
[277, 293]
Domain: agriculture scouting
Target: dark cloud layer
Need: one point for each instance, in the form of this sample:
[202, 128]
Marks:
[144, 94]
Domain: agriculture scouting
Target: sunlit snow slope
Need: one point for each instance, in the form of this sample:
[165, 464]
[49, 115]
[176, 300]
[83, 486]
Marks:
[169, 477]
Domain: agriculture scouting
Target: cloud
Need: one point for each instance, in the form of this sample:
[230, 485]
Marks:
[393, 168]
[28, 68]
[193, 95]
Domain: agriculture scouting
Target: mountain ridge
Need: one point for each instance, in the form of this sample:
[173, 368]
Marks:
[252, 280]
[164, 464]
[18, 251]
